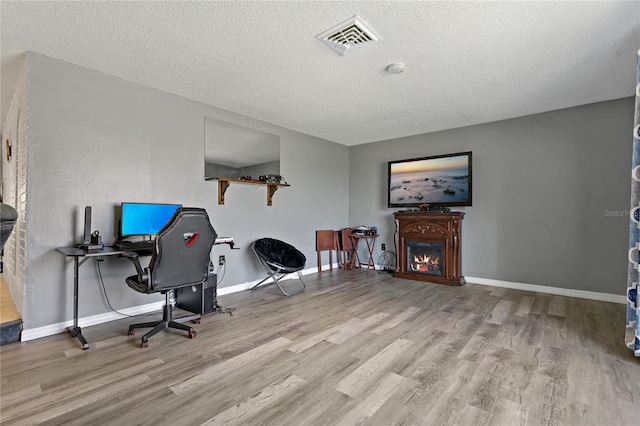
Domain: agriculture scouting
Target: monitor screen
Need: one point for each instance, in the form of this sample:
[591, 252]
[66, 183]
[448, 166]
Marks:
[145, 218]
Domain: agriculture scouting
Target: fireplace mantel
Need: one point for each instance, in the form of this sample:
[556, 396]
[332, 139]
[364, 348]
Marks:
[441, 229]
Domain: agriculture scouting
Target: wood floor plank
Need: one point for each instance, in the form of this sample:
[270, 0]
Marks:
[243, 412]
[404, 316]
[19, 396]
[484, 385]
[355, 383]
[372, 403]
[227, 367]
[524, 307]
[500, 312]
[557, 306]
[347, 333]
[68, 392]
[507, 412]
[79, 400]
[323, 335]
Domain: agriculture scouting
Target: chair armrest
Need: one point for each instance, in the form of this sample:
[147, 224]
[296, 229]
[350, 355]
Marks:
[143, 274]
[275, 265]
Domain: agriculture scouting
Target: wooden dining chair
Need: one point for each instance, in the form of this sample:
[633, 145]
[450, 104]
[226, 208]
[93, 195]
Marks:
[326, 239]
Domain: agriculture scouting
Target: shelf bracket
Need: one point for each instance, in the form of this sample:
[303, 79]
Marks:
[271, 189]
[222, 188]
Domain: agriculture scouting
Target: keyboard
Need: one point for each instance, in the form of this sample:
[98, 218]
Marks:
[134, 245]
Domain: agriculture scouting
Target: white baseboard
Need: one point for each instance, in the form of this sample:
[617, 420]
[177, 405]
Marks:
[247, 285]
[49, 330]
[582, 294]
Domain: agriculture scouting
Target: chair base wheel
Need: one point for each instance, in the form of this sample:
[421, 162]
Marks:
[166, 323]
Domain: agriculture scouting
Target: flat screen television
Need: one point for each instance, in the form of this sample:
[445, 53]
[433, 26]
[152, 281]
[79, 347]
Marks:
[439, 181]
[145, 218]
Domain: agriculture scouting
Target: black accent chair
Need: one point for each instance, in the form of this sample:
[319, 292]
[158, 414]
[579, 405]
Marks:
[279, 259]
[181, 258]
[8, 218]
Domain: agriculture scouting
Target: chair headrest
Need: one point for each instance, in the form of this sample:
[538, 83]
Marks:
[183, 248]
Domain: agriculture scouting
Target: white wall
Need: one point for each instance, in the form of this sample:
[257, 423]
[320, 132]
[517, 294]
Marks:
[96, 141]
[14, 189]
[546, 189]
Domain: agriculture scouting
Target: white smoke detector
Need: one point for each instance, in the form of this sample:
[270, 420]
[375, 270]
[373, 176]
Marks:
[353, 32]
[396, 68]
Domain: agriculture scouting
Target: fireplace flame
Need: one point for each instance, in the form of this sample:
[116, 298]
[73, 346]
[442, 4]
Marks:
[425, 263]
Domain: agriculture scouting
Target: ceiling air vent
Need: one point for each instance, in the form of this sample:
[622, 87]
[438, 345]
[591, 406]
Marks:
[353, 32]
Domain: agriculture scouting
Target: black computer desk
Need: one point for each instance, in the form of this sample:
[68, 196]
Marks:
[78, 253]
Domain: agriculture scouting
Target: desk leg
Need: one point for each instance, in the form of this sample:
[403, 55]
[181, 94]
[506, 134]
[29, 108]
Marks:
[75, 331]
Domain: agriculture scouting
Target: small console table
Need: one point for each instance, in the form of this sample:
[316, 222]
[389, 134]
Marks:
[371, 245]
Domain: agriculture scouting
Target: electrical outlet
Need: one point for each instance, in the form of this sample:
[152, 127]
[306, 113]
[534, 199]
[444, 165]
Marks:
[384, 246]
[221, 260]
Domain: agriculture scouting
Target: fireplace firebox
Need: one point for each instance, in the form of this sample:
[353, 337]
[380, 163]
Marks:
[425, 258]
[428, 246]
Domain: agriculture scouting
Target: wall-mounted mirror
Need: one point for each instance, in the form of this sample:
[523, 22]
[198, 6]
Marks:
[234, 151]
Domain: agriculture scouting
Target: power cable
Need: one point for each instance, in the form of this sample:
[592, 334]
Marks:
[104, 290]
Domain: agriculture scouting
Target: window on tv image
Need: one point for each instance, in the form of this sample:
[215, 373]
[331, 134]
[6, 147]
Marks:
[439, 181]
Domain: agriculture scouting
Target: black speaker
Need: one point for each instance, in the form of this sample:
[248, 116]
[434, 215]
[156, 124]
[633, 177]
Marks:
[86, 238]
[200, 299]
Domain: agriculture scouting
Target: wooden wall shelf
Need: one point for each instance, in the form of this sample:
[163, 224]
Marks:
[223, 184]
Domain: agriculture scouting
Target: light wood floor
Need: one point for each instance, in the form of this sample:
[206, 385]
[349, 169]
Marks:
[8, 311]
[357, 347]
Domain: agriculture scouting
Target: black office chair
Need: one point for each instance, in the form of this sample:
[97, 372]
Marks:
[279, 259]
[180, 258]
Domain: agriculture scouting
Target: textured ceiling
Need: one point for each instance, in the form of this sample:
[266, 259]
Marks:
[467, 62]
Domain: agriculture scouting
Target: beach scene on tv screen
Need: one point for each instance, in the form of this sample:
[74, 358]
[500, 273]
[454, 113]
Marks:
[436, 180]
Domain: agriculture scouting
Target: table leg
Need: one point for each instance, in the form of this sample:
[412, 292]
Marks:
[371, 244]
[355, 261]
[75, 330]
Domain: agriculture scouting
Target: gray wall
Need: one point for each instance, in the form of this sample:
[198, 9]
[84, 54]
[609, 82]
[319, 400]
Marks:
[97, 140]
[550, 195]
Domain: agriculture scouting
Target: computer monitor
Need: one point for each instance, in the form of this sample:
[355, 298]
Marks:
[145, 218]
